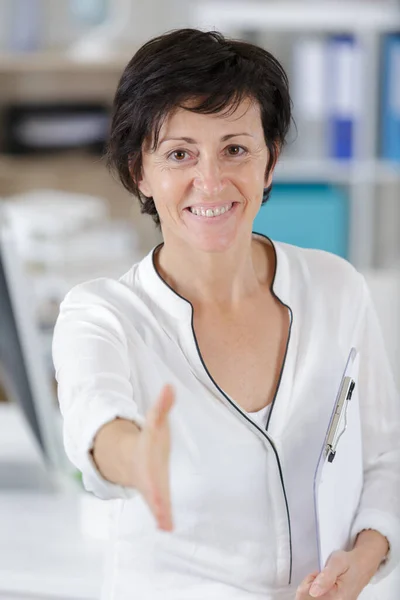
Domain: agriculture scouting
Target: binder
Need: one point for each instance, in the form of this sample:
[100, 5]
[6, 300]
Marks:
[390, 132]
[339, 475]
[344, 93]
[309, 96]
[307, 215]
[25, 29]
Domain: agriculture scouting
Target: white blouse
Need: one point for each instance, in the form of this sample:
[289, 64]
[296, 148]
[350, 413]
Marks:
[241, 485]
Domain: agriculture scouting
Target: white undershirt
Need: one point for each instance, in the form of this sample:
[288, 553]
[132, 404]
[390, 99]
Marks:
[261, 416]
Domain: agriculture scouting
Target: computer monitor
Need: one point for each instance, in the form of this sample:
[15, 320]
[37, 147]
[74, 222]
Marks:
[23, 370]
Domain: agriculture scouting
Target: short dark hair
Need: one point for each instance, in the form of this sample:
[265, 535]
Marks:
[189, 64]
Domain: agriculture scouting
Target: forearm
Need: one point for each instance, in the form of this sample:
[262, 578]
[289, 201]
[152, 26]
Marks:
[115, 452]
[371, 547]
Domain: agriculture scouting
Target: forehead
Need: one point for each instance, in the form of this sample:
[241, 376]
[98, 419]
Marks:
[246, 114]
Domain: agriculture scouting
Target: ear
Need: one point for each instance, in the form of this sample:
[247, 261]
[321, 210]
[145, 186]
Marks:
[144, 188]
[142, 183]
[268, 180]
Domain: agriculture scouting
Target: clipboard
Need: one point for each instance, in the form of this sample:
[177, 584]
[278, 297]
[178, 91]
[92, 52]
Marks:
[338, 477]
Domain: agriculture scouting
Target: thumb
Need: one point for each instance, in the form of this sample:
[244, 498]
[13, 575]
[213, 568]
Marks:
[335, 566]
[163, 405]
[304, 587]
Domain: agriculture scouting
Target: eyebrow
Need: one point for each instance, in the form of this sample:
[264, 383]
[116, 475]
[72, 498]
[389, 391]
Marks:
[189, 140]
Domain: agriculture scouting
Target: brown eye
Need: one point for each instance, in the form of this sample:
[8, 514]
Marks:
[179, 155]
[235, 150]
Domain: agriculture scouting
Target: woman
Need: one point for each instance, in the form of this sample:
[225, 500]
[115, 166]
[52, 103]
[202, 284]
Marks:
[197, 388]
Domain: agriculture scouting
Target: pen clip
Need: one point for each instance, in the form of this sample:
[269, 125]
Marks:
[343, 403]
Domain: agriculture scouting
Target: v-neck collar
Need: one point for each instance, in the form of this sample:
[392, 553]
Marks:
[181, 309]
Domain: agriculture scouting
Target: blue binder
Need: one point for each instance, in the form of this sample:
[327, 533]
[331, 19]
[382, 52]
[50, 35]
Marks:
[344, 94]
[390, 130]
[307, 215]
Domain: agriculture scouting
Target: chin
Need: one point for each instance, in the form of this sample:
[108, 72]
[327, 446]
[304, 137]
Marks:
[215, 243]
[219, 235]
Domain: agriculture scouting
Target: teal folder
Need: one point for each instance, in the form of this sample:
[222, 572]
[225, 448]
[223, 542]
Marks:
[307, 215]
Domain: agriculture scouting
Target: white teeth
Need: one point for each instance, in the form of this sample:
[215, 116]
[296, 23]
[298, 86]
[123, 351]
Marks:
[209, 212]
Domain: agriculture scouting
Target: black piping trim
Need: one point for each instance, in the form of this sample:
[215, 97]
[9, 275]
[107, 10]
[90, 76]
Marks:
[290, 327]
[227, 397]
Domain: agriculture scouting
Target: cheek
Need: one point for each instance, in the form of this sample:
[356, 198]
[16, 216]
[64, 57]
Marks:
[171, 182]
[170, 190]
[252, 178]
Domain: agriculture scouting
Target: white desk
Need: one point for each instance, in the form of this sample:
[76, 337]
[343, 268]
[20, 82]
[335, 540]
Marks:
[43, 553]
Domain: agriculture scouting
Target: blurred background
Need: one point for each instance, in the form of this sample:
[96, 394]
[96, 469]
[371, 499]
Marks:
[64, 219]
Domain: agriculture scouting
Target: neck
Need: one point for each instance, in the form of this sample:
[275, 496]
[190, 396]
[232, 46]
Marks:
[223, 279]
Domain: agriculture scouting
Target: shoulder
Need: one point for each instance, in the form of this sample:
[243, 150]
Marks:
[323, 282]
[322, 271]
[94, 291]
[102, 290]
[103, 300]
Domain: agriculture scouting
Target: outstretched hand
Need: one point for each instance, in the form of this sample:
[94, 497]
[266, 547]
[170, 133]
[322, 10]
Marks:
[154, 446]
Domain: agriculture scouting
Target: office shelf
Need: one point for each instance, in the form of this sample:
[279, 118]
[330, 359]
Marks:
[333, 171]
[296, 16]
[22, 165]
[43, 62]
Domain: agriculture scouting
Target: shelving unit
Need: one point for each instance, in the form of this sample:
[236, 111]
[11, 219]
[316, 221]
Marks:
[336, 172]
[56, 77]
[368, 22]
[50, 62]
[297, 16]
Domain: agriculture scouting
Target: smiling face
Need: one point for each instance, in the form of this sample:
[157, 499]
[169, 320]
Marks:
[207, 177]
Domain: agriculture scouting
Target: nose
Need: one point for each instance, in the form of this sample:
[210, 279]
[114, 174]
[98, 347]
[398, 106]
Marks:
[209, 180]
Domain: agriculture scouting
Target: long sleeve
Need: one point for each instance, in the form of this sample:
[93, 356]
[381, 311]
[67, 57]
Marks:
[92, 370]
[380, 420]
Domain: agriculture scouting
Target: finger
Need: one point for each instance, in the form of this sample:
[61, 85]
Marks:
[302, 590]
[165, 522]
[160, 410]
[323, 584]
[163, 514]
[162, 499]
[335, 567]
[160, 505]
